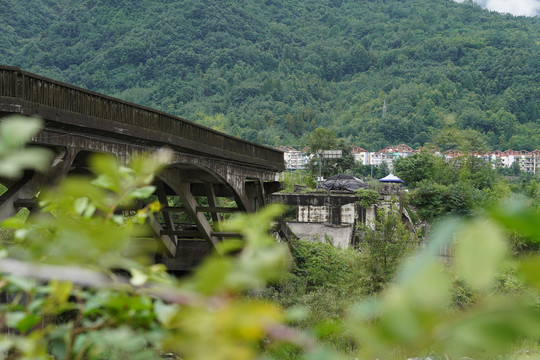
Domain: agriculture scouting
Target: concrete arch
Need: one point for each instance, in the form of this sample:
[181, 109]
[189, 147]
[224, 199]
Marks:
[224, 182]
[189, 175]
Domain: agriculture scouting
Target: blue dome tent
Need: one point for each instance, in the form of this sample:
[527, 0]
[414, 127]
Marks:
[391, 178]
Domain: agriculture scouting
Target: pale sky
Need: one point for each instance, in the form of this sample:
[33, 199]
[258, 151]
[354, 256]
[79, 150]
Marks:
[515, 7]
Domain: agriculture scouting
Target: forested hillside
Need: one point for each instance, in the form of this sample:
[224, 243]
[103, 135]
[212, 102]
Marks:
[272, 71]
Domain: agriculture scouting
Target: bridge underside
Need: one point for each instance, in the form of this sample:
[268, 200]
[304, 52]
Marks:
[196, 192]
[211, 175]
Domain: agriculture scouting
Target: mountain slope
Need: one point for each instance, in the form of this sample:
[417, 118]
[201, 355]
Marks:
[272, 71]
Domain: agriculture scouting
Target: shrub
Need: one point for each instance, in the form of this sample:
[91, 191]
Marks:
[322, 265]
[383, 247]
[367, 197]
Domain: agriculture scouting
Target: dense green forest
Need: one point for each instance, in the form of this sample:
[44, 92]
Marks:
[272, 71]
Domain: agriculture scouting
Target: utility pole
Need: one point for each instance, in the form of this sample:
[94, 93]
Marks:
[319, 153]
[384, 108]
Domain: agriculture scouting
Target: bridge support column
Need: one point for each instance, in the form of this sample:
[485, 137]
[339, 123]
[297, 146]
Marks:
[187, 198]
[22, 189]
[170, 241]
[167, 241]
[174, 179]
[212, 202]
[62, 164]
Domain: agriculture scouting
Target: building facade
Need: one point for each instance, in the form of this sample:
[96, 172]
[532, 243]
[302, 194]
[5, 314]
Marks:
[294, 159]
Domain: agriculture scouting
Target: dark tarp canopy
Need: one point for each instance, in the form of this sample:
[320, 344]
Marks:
[343, 183]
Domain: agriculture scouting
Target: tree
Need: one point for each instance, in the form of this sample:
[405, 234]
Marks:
[383, 244]
[470, 143]
[325, 139]
[321, 139]
[424, 165]
[467, 141]
[228, 59]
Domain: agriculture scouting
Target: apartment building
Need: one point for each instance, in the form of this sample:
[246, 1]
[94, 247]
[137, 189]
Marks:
[529, 161]
[294, 159]
[360, 155]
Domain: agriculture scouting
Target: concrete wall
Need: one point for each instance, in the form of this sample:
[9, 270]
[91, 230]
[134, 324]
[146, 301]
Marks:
[337, 222]
[340, 235]
[347, 214]
[313, 214]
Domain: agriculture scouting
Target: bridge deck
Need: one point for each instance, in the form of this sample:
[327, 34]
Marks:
[67, 106]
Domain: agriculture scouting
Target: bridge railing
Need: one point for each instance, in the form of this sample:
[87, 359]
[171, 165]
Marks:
[36, 89]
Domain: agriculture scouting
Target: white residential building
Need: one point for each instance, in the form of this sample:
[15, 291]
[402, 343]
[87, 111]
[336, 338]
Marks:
[361, 155]
[529, 161]
[294, 159]
[384, 156]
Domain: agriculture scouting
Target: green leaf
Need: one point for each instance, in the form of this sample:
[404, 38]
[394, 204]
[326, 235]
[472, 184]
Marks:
[36, 304]
[516, 215]
[5, 345]
[13, 223]
[80, 205]
[211, 275]
[480, 251]
[22, 321]
[165, 312]
[106, 182]
[81, 343]
[138, 278]
[21, 234]
[18, 130]
[529, 270]
[89, 211]
[430, 290]
[142, 192]
[13, 165]
[107, 168]
[59, 293]
[118, 219]
[96, 302]
[126, 172]
[495, 326]
[25, 284]
[15, 132]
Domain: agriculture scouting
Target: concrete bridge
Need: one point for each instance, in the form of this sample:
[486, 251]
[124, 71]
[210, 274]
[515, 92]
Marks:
[206, 163]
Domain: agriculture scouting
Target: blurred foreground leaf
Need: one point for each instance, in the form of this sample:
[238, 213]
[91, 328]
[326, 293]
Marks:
[519, 216]
[15, 157]
[414, 314]
[481, 250]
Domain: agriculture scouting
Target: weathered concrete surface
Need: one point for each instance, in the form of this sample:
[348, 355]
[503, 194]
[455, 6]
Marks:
[340, 235]
[326, 199]
[205, 163]
[333, 214]
[347, 214]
